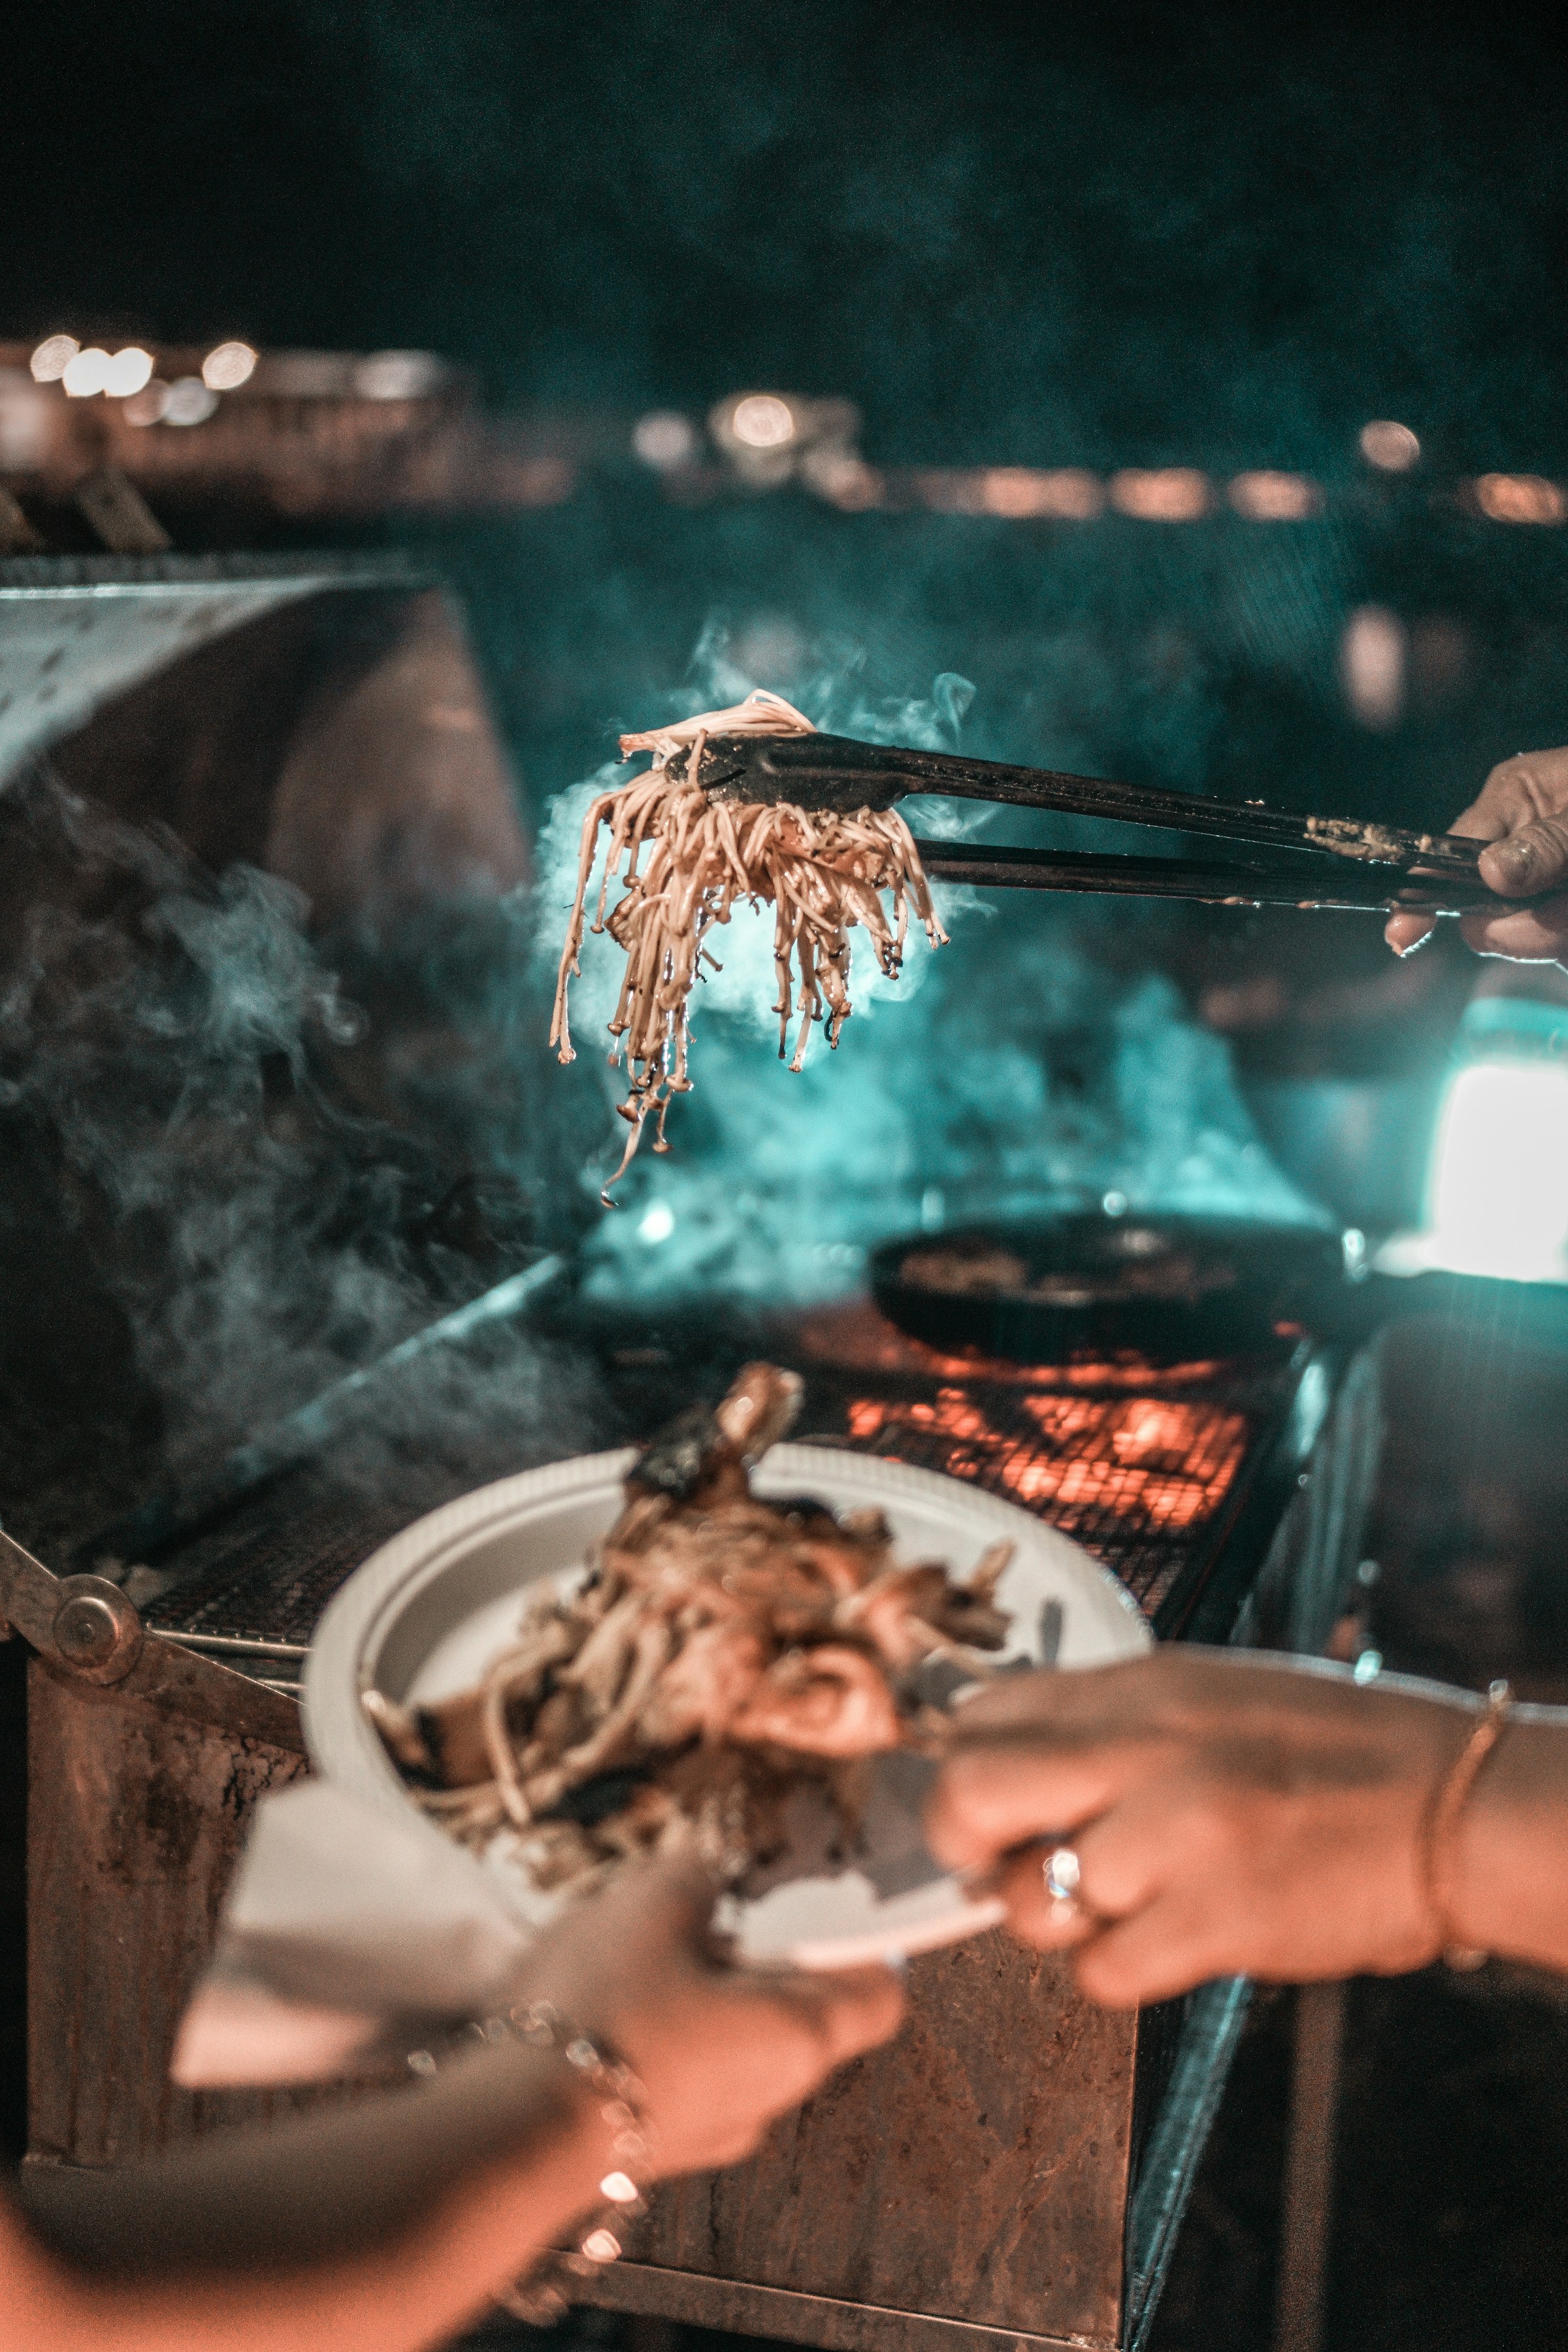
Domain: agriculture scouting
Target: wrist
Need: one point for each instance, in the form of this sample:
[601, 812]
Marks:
[1508, 1885]
[605, 2101]
[517, 2100]
[597, 2130]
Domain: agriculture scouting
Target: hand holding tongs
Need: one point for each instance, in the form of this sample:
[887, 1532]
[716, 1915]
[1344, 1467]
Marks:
[1307, 861]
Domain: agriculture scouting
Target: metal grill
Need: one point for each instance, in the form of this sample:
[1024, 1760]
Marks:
[1141, 1463]
[1139, 1481]
[1138, 1462]
[269, 1576]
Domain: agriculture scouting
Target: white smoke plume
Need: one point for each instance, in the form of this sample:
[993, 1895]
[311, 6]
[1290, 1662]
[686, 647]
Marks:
[1005, 1074]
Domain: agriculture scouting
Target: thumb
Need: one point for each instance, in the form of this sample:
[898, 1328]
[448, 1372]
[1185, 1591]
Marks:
[1534, 859]
[849, 2009]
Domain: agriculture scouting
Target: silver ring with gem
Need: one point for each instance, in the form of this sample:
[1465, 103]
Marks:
[1063, 1874]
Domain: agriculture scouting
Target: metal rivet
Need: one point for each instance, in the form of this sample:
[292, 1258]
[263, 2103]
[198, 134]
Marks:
[96, 1630]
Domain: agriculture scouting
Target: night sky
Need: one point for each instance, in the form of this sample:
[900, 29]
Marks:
[1106, 234]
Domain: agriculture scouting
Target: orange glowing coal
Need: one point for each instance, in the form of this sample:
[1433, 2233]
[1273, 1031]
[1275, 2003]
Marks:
[1160, 1463]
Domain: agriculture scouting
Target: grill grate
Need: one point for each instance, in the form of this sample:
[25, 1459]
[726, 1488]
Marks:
[1134, 1460]
[274, 1569]
[1139, 1481]
[1139, 1463]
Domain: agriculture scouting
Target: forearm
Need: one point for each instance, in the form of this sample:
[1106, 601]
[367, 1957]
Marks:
[1507, 1876]
[379, 2230]
[385, 2227]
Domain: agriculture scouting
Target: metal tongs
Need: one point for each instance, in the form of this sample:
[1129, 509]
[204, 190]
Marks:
[1302, 861]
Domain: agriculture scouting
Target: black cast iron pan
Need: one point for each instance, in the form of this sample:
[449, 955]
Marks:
[1174, 1288]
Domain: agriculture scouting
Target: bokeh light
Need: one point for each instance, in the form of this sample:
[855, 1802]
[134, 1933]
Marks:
[844, 479]
[1161, 494]
[147, 406]
[664, 438]
[1372, 666]
[1023, 492]
[86, 375]
[1520, 497]
[127, 372]
[228, 365]
[1391, 447]
[399, 375]
[52, 358]
[763, 421]
[188, 401]
[1269, 496]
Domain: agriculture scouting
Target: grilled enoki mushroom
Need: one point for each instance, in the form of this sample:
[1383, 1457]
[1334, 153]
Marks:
[822, 873]
[721, 1651]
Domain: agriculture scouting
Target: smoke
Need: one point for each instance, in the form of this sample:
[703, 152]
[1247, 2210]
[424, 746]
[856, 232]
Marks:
[1014, 1088]
[1072, 240]
[183, 1063]
[169, 1051]
[1015, 1070]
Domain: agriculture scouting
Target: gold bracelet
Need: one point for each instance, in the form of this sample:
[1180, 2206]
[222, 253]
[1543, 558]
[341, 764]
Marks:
[1443, 1816]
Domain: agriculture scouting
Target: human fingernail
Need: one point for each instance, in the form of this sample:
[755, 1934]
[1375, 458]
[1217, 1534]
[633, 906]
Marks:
[1515, 860]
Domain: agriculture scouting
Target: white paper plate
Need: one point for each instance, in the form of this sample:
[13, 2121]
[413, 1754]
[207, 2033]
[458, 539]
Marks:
[427, 1613]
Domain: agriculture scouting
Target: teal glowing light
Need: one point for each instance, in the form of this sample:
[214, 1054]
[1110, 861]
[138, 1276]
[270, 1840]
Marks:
[1497, 1189]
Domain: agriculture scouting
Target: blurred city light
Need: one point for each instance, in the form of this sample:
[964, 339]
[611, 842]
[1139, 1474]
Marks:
[1392, 447]
[1161, 494]
[399, 375]
[127, 372]
[52, 358]
[1372, 666]
[85, 375]
[26, 423]
[188, 401]
[1520, 497]
[1022, 492]
[763, 421]
[1267, 497]
[228, 365]
[147, 406]
[843, 480]
[664, 438]
[758, 442]
[310, 375]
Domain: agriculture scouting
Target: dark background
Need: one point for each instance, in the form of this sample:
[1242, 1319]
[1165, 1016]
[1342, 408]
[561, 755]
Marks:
[1037, 235]
[1109, 235]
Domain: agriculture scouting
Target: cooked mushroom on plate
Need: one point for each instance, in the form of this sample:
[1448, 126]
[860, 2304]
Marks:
[719, 1652]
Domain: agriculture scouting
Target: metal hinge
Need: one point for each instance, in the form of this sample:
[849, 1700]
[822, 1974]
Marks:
[86, 1628]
